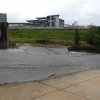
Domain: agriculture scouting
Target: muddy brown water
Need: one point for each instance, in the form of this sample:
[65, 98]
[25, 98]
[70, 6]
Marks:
[29, 63]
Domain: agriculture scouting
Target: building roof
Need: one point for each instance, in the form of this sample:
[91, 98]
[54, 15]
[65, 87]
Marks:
[53, 15]
[41, 17]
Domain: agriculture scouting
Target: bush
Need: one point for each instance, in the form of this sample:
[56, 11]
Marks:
[76, 37]
[93, 36]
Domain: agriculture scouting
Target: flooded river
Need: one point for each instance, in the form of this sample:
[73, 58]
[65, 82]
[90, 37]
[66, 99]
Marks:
[29, 63]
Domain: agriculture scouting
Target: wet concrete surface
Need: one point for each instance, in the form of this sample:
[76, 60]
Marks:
[29, 63]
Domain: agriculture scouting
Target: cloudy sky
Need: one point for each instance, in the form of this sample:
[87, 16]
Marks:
[86, 12]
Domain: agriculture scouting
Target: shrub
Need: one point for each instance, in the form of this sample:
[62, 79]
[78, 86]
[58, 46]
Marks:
[93, 36]
[76, 37]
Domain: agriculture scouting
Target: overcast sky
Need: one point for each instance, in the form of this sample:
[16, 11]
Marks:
[86, 12]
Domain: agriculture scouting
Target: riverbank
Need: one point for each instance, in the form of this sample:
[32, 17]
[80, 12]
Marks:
[50, 38]
[43, 36]
[83, 48]
[80, 86]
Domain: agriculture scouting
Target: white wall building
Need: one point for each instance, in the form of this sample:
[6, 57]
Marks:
[51, 21]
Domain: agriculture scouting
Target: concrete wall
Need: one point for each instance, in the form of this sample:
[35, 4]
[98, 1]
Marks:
[57, 22]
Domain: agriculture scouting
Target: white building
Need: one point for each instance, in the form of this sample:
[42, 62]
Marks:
[51, 21]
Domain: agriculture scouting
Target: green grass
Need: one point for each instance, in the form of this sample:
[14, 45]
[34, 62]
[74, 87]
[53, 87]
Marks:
[31, 35]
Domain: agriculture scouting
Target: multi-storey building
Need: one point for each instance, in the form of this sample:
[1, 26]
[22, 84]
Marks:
[52, 21]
